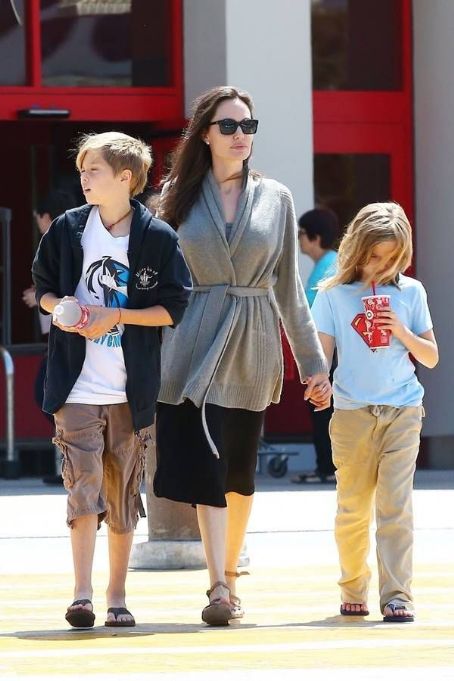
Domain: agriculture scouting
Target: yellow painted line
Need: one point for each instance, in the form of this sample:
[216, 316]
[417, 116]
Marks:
[249, 648]
[316, 674]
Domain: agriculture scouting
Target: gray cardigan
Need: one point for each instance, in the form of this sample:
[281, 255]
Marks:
[227, 349]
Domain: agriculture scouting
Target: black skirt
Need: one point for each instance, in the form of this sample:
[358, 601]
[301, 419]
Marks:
[187, 470]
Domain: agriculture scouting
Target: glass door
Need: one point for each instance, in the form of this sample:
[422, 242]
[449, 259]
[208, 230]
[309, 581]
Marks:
[362, 103]
[355, 164]
[363, 133]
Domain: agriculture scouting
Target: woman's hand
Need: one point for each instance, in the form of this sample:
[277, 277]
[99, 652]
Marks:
[319, 391]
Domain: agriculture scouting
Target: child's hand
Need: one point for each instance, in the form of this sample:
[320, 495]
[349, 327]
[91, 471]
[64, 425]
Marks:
[101, 320]
[29, 297]
[319, 391]
[388, 320]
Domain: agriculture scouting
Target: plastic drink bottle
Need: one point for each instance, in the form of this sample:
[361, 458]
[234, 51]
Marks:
[71, 313]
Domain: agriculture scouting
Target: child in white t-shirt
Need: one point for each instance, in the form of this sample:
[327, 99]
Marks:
[375, 428]
[126, 268]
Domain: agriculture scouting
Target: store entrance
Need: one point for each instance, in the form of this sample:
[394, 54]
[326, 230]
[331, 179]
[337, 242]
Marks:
[66, 69]
[38, 157]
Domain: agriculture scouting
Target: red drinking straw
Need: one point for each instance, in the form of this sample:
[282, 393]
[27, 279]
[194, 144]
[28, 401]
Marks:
[373, 287]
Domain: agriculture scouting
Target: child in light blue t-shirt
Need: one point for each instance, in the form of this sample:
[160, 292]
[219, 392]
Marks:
[375, 428]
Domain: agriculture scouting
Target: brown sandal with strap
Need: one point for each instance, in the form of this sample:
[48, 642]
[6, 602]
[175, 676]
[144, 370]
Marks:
[78, 616]
[235, 602]
[218, 612]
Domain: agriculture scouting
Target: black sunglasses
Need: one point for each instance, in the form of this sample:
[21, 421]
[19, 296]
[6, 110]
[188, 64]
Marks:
[228, 126]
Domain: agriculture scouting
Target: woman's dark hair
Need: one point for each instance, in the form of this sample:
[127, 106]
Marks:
[191, 159]
[320, 222]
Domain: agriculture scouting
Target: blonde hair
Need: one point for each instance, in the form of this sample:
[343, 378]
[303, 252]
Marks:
[372, 225]
[121, 152]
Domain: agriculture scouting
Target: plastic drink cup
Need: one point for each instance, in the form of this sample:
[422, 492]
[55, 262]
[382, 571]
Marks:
[377, 338]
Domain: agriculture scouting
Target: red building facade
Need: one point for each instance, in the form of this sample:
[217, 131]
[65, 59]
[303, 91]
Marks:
[72, 66]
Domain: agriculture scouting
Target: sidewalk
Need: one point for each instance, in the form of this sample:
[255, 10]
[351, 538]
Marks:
[291, 598]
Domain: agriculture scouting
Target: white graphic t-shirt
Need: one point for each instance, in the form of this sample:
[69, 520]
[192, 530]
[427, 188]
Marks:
[104, 279]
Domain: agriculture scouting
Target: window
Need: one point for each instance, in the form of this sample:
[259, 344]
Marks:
[356, 44]
[92, 60]
[111, 43]
[346, 182]
[12, 43]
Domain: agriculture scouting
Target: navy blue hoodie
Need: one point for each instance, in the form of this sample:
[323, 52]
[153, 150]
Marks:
[57, 268]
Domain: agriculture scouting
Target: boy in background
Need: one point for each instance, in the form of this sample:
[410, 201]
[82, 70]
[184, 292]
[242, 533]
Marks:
[318, 231]
[47, 209]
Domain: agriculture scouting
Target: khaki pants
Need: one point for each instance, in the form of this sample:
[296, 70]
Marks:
[374, 451]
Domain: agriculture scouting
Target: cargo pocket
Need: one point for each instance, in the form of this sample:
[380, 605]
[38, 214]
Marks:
[67, 470]
[145, 440]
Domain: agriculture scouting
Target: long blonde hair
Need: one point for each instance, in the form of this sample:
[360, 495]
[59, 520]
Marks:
[372, 225]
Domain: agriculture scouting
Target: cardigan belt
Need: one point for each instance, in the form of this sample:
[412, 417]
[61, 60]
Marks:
[216, 298]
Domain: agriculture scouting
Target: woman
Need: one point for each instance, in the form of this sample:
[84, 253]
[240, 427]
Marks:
[223, 365]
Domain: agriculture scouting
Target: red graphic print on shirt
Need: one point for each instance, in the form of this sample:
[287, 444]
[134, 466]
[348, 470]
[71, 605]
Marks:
[363, 326]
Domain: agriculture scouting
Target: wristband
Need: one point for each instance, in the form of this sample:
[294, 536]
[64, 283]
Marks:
[85, 317]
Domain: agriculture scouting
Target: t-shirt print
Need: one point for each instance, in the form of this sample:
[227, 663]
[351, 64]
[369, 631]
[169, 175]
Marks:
[364, 327]
[107, 281]
[363, 377]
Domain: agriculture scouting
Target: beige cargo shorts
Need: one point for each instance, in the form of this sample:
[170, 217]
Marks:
[103, 461]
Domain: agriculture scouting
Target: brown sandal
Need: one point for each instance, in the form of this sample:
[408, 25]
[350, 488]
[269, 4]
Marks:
[78, 616]
[218, 612]
[235, 602]
[354, 613]
[119, 623]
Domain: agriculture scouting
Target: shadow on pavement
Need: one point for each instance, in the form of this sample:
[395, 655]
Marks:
[153, 629]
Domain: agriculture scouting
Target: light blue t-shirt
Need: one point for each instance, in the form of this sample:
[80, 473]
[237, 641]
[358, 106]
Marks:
[323, 268]
[363, 376]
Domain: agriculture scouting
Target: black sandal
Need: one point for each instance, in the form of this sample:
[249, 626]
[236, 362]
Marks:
[81, 618]
[399, 605]
[119, 623]
[354, 613]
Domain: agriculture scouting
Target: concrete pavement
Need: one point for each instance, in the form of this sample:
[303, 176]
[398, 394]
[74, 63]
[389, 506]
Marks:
[291, 598]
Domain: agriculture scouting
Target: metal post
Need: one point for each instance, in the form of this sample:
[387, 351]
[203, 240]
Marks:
[5, 223]
[11, 465]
